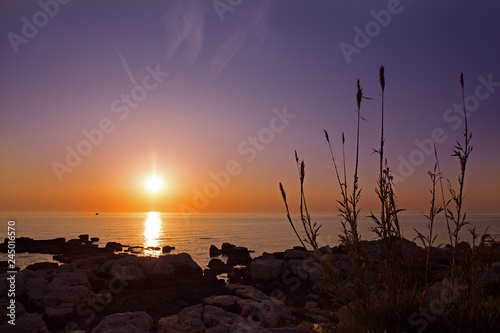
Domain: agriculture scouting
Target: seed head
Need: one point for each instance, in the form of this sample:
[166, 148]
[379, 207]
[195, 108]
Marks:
[381, 77]
[326, 135]
[462, 80]
[359, 94]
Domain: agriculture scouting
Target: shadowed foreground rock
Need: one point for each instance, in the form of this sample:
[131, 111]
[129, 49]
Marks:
[129, 322]
[274, 292]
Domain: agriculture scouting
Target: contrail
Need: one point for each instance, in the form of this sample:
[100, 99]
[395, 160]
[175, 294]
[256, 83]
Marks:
[127, 69]
[26, 151]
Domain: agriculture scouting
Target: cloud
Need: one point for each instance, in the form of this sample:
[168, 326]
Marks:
[195, 35]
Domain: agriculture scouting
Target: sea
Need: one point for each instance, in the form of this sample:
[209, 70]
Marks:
[194, 233]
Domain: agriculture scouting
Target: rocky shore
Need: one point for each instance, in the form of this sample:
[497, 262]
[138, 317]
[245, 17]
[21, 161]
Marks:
[97, 290]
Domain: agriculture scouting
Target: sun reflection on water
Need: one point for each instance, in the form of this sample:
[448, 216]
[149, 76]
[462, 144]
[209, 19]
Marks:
[153, 226]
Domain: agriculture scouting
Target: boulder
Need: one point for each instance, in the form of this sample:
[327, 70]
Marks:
[46, 266]
[84, 238]
[171, 324]
[155, 268]
[167, 249]
[495, 267]
[128, 322]
[184, 265]
[113, 246]
[266, 269]
[126, 270]
[214, 251]
[238, 255]
[226, 248]
[191, 316]
[218, 266]
[60, 297]
[26, 323]
[297, 252]
[224, 301]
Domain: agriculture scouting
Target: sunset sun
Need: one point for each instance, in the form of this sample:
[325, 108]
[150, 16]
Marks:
[154, 184]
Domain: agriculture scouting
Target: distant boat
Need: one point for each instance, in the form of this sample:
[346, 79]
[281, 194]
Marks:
[96, 213]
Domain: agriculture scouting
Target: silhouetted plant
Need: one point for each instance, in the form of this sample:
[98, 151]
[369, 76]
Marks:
[459, 218]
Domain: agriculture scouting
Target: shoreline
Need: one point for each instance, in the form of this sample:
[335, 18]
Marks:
[95, 289]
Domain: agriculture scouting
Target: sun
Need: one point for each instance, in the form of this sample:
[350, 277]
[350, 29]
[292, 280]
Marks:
[154, 184]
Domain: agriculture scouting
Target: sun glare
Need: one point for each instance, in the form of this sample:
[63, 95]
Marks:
[154, 184]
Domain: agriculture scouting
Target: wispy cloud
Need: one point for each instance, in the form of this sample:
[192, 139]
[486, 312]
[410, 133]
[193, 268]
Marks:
[196, 36]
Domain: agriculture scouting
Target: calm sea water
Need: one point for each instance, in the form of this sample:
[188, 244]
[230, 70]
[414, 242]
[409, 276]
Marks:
[195, 234]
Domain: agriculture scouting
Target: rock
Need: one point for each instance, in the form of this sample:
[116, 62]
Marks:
[136, 249]
[26, 323]
[167, 249]
[266, 269]
[184, 265]
[463, 246]
[214, 251]
[94, 239]
[234, 277]
[60, 297]
[84, 238]
[171, 324]
[113, 246]
[226, 248]
[218, 266]
[223, 301]
[297, 253]
[495, 267]
[213, 316]
[310, 306]
[128, 322]
[238, 255]
[304, 269]
[191, 316]
[155, 267]
[46, 266]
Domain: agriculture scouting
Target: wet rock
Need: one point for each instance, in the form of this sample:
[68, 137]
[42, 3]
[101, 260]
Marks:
[128, 322]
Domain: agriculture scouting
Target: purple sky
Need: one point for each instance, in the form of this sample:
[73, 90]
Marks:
[228, 68]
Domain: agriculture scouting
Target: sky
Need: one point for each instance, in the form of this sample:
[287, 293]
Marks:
[214, 97]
